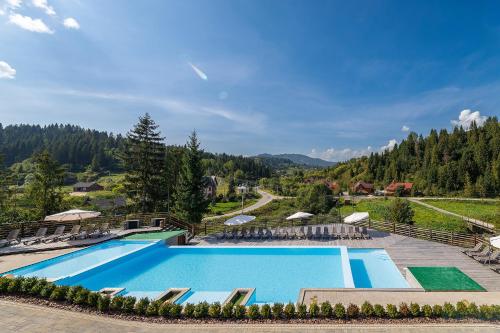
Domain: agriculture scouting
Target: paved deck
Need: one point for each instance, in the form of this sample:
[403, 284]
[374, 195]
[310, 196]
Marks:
[24, 318]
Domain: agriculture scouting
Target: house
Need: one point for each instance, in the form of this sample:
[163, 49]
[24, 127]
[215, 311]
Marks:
[210, 190]
[242, 189]
[362, 187]
[334, 186]
[87, 187]
[393, 187]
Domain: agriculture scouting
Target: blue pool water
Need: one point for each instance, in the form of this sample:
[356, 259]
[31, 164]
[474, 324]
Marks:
[277, 273]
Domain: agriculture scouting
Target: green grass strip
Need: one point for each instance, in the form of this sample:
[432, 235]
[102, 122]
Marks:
[156, 235]
[444, 279]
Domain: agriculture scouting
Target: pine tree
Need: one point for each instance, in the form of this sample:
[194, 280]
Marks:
[144, 162]
[469, 188]
[400, 211]
[4, 185]
[190, 198]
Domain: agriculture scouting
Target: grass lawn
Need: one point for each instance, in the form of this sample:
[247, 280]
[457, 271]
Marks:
[444, 279]
[225, 207]
[487, 211]
[424, 217]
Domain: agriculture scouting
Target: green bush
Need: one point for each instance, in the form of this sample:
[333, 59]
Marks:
[92, 299]
[367, 309]
[314, 310]
[116, 303]
[141, 306]
[486, 312]
[47, 290]
[437, 311]
[59, 293]
[449, 310]
[302, 311]
[404, 310]
[81, 297]
[289, 311]
[339, 311]
[164, 309]
[472, 310]
[189, 310]
[38, 287]
[392, 311]
[176, 311]
[415, 309]
[129, 304]
[201, 310]
[496, 311]
[379, 311]
[103, 303]
[253, 312]
[239, 311]
[461, 308]
[214, 311]
[277, 310]
[4, 284]
[352, 311]
[72, 292]
[27, 284]
[427, 310]
[15, 285]
[227, 310]
[265, 311]
[153, 308]
[326, 309]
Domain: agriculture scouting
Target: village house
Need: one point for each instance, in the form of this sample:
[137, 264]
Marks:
[393, 187]
[362, 187]
[210, 190]
[87, 187]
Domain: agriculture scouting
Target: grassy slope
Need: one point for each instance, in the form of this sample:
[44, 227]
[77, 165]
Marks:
[226, 207]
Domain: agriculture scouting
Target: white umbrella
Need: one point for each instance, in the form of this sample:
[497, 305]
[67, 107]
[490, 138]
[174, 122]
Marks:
[495, 241]
[356, 217]
[239, 219]
[72, 215]
[299, 215]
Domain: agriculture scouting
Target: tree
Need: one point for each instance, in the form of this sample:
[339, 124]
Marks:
[144, 161]
[315, 199]
[4, 185]
[173, 165]
[231, 189]
[44, 190]
[190, 198]
[400, 211]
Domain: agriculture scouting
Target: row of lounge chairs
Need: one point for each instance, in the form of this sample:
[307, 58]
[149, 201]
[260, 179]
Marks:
[58, 235]
[485, 255]
[317, 232]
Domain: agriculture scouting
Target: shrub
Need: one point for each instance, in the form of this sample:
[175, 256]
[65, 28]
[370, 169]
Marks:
[326, 309]
[239, 311]
[461, 308]
[437, 310]
[379, 310]
[153, 308]
[265, 311]
[427, 310]
[15, 285]
[176, 311]
[72, 292]
[27, 284]
[227, 310]
[448, 310]
[314, 310]
[496, 311]
[92, 299]
[129, 304]
[47, 290]
[59, 293]
[214, 310]
[103, 303]
[392, 311]
[367, 309]
[339, 311]
[201, 310]
[164, 309]
[189, 310]
[81, 297]
[253, 312]
[352, 311]
[37, 288]
[404, 310]
[473, 310]
[277, 310]
[4, 284]
[415, 309]
[116, 303]
[289, 311]
[302, 311]
[486, 312]
[141, 306]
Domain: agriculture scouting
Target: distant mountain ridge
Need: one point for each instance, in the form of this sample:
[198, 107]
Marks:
[299, 159]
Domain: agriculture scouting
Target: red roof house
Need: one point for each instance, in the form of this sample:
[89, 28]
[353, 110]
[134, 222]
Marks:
[363, 187]
[393, 187]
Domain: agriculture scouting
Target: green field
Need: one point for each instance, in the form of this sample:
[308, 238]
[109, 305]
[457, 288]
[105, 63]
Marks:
[225, 207]
[424, 217]
[487, 211]
[444, 279]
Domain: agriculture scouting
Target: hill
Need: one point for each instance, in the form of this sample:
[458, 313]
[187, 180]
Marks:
[297, 159]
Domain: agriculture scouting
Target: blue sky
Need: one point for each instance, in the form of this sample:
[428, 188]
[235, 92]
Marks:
[331, 79]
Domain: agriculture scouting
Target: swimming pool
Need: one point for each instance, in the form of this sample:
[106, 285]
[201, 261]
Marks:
[276, 273]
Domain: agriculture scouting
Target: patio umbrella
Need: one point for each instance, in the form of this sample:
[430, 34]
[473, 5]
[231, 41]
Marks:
[239, 219]
[356, 217]
[299, 216]
[495, 241]
[72, 215]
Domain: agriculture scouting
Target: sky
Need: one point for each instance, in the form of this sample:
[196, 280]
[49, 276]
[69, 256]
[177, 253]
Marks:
[330, 79]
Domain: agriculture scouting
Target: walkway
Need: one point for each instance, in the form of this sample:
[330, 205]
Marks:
[26, 318]
[265, 198]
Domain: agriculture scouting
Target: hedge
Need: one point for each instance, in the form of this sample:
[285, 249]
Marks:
[77, 295]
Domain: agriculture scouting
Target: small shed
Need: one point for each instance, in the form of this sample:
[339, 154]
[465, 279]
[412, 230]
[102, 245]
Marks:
[87, 187]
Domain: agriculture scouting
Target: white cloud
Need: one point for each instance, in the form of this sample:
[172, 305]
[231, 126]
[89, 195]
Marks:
[14, 3]
[466, 118]
[27, 23]
[6, 72]
[42, 4]
[405, 128]
[198, 72]
[389, 146]
[332, 154]
[71, 23]
[2, 12]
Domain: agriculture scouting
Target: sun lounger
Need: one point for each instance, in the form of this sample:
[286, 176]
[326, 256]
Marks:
[357, 233]
[75, 230]
[41, 232]
[242, 233]
[275, 233]
[326, 233]
[291, 233]
[364, 233]
[475, 250]
[484, 252]
[221, 235]
[267, 234]
[234, 233]
[301, 234]
[260, 233]
[494, 257]
[350, 232]
[495, 268]
[251, 233]
[309, 233]
[56, 235]
[336, 231]
[317, 233]
[12, 237]
[283, 234]
[100, 231]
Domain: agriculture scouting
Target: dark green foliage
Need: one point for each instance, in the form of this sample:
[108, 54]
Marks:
[59, 293]
[277, 310]
[326, 309]
[404, 310]
[379, 311]
[72, 292]
[289, 311]
[400, 211]
[486, 312]
[302, 311]
[103, 303]
[253, 312]
[227, 310]
[415, 309]
[129, 304]
[37, 287]
[92, 299]
[141, 306]
[265, 311]
[214, 311]
[176, 311]
[449, 310]
[461, 309]
[27, 284]
[472, 310]
[239, 311]
[81, 297]
[315, 198]
[189, 310]
[392, 311]
[47, 290]
[15, 285]
[153, 308]
[314, 310]
[116, 303]
[437, 310]
[367, 309]
[352, 311]
[201, 310]
[164, 309]
[339, 311]
[427, 311]
[4, 284]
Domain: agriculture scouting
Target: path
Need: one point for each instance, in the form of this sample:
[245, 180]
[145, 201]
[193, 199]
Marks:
[265, 198]
[24, 318]
[476, 222]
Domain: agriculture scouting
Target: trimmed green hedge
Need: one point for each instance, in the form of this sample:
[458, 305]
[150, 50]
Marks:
[80, 296]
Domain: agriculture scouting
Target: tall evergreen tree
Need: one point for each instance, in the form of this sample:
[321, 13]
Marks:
[4, 185]
[144, 161]
[190, 198]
